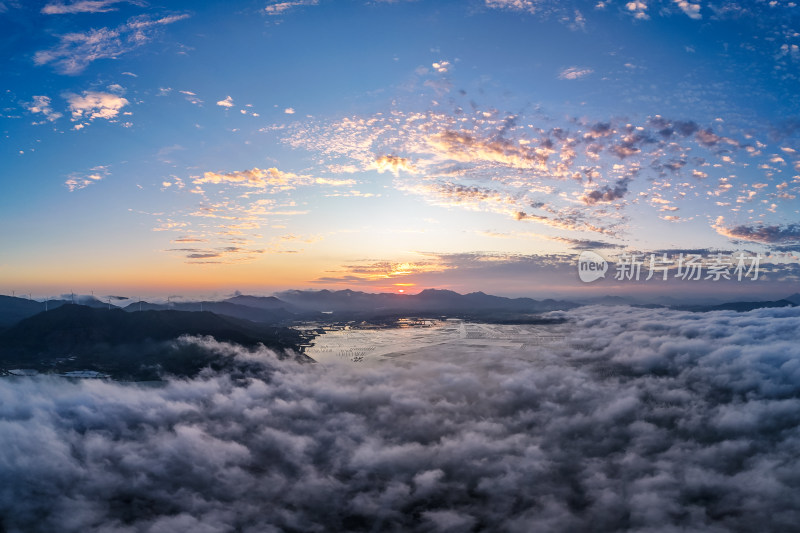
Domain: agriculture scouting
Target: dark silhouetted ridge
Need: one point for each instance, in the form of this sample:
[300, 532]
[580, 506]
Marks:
[126, 344]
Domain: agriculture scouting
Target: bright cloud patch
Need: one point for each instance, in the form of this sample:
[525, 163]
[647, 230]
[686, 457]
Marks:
[691, 10]
[441, 66]
[93, 104]
[638, 9]
[41, 104]
[393, 164]
[256, 178]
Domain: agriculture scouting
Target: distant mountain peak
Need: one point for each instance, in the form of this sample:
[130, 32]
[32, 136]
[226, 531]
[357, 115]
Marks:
[438, 291]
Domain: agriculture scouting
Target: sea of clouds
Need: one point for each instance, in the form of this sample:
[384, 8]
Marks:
[644, 420]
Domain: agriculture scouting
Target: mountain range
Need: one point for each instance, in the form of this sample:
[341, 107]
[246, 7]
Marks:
[427, 301]
[290, 307]
[13, 309]
[129, 345]
[254, 311]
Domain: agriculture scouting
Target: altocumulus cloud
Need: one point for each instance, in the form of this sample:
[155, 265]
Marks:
[643, 420]
[95, 104]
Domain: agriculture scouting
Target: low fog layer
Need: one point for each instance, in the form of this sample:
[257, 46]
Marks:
[649, 420]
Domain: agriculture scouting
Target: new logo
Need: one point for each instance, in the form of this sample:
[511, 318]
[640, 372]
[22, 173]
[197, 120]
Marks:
[591, 266]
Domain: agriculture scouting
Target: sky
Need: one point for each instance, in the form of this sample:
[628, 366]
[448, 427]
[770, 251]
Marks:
[206, 147]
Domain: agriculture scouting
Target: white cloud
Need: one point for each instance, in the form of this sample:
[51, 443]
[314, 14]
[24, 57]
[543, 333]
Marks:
[574, 73]
[82, 6]
[515, 5]
[441, 66]
[41, 104]
[289, 111]
[94, 104]
[280, 7]
[76, 182]
[564, 12]
[191, 97]
[227, 102]
[116, 88]
[76, 51]
[638, 8]
[691, 10]
[273, 178]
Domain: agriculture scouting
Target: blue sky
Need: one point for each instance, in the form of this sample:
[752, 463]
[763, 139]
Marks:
[481, 145]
